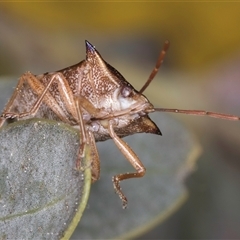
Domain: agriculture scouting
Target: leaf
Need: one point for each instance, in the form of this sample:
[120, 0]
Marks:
[40, 192]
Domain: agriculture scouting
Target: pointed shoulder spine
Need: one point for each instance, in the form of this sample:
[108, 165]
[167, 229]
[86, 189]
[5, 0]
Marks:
[89, 46]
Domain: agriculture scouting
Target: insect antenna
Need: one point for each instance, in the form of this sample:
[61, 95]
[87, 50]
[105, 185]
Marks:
[200, 113]
[183, 111]
[157, 66]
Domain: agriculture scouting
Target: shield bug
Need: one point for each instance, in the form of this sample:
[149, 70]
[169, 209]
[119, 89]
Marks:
[95, 98]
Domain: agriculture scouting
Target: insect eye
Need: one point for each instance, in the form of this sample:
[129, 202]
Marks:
[126, 91]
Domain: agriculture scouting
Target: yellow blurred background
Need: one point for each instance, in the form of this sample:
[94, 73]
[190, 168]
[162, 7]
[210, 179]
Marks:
[201, 70]
[200, 33]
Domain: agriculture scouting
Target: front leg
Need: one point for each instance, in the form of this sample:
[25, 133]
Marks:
[132, 158]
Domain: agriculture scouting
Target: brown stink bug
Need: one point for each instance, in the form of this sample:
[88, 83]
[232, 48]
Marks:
[95, 98]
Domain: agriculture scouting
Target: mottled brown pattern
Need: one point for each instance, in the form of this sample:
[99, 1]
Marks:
[93, 97]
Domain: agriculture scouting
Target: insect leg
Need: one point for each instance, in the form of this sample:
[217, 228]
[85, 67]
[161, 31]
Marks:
[45, 96]
[132, 158]
[87, 138]
[10, 102]
[95, 162]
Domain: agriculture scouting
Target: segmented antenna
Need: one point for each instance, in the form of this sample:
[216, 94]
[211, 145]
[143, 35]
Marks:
[183, 111]
[200, 113]
[157, 66]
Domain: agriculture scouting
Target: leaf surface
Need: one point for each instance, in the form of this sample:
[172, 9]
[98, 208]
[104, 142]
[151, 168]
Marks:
[40, 190]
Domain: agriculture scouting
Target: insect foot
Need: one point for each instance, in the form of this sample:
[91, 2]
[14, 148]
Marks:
[9, 115]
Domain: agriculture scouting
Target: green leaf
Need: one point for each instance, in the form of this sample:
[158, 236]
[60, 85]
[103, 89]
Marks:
[40, 192]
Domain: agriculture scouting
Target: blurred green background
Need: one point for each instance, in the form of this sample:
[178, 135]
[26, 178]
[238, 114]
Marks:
[201, 71]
